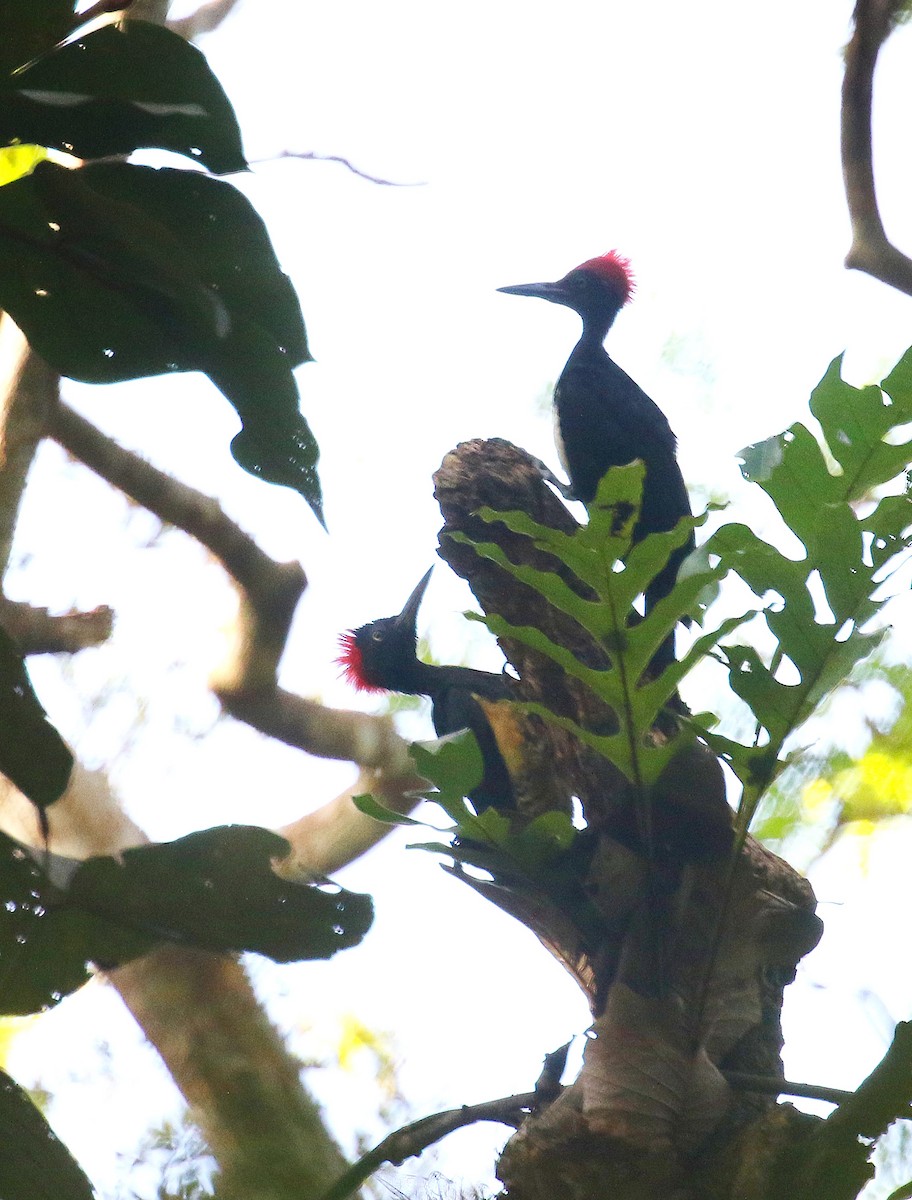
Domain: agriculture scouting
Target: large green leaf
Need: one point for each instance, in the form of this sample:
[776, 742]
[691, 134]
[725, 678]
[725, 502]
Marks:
[117, 89]
[214, 889]
[602, 556]
[850, 541]
[117, 271]
[34, 1163]
[32, 753]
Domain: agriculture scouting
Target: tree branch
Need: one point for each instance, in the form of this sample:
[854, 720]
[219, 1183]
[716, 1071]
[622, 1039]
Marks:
[37, 631]
[871, 250]
[313, 156]
[200, 1012]
[245, 682]
[412, 1139]
[28, 391]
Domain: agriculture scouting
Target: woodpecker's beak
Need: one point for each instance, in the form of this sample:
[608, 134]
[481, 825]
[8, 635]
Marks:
[557, 292]
[409, 614]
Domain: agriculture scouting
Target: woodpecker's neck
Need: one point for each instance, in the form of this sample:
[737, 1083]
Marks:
[416, 678]
[595, 328]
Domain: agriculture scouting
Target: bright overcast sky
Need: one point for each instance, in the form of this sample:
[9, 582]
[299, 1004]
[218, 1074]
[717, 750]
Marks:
[701, 140]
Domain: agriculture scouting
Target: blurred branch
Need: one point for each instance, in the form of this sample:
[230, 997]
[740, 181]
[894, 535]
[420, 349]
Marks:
[884, 1097]
[871, 250]
[412, 1139]
[28, 391]
[204, 19]
[200, 1012]
[313, 156]
[37, 631]
[834, 1164]
[245, 682]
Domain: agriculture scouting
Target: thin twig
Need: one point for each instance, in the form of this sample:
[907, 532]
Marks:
[769, 1085]
[313, 156]
[884, 1097]
[412, 1139]
[871, 250]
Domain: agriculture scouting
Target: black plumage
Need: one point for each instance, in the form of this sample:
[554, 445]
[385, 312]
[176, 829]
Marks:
[382, 656]
[603, 418]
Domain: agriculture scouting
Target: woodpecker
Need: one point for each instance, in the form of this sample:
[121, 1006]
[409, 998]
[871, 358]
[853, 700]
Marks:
[382, 656]
[603, 419]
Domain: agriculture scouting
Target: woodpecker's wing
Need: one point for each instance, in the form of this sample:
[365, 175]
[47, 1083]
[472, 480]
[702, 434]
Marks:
[604, 419]
[455, 708]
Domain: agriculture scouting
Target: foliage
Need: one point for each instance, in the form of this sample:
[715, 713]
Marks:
[832, 790]
[852, 536]
[452, 766]
[823, 609]
[215, 889]
[603, 558]
[116, 271]
[41, 1168]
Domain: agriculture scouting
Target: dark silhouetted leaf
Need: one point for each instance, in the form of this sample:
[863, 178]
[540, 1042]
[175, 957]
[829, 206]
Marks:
[116, 272]
[45, 946]
[217, 889]
[214, 889]
[32, 753]
[30, 29]
[117, 89]
[34, 1163]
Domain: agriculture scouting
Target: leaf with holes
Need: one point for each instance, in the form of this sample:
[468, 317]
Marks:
[851, 539]
[116, 272]
[215, 889]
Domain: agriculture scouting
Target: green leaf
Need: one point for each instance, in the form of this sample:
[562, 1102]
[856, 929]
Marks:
[32, 753]
[117, 89]
[452, 763]
[371, 807]
[849, 543]
[16, 161]
[600, 554]
[35, 1165]
[116, 272]
[214, 889]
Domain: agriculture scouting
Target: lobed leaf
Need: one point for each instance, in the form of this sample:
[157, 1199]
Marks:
[849, 545]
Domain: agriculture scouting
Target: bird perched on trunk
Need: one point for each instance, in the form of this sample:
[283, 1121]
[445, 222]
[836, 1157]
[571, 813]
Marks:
[382, 656]
[602, 418]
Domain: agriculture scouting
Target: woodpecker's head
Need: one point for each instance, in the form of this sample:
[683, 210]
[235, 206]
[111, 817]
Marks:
[597, 289]
[379, 656]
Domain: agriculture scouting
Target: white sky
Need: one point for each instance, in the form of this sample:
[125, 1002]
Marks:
[702, 141]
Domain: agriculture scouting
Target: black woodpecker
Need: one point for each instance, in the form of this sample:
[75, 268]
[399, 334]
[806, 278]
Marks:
[602, 418]
[382, 656]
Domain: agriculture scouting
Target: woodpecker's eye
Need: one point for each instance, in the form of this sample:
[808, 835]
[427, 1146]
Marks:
[377, 636]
